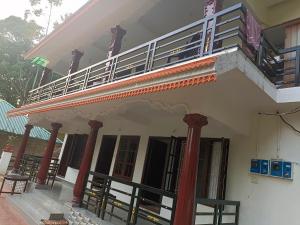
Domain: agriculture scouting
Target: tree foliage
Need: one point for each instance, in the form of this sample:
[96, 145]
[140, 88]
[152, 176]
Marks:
[16, 75]
[38, 9]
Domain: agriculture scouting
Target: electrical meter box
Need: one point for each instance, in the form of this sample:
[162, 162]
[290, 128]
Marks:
[264, 167]
[287, 170]
[255, 165]
[277, 168]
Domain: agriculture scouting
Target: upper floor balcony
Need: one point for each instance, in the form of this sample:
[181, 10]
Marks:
[227, 29]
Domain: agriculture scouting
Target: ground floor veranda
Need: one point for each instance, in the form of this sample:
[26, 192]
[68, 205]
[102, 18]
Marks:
[145, 189]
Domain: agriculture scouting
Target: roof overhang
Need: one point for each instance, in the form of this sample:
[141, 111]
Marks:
[85, 27]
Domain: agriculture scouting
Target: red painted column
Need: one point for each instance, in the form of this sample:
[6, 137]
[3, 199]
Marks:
[46, 160]
[86, 161]
[186, 194]
[212, 6]
[22, 147]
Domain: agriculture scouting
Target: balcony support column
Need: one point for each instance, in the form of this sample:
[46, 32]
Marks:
[212, 6]
[86, 162]
[46, 160]
[116, 41]
[22, 147]
[186, 194]
[76, 56]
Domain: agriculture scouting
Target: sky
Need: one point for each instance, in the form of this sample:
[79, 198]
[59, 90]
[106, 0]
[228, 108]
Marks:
[18, 7]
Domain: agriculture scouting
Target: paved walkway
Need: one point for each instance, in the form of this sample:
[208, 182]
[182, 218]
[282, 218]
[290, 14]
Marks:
[9, 215]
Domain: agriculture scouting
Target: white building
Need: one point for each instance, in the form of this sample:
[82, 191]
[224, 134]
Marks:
[124, 115]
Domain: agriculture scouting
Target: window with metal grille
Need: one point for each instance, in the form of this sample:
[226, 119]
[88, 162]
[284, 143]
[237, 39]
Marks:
[126, 156]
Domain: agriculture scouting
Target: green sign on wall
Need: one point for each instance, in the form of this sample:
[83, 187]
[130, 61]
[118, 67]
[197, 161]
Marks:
[40, 61]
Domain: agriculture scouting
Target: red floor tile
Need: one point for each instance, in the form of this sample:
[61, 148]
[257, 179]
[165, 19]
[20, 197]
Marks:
[10, 215]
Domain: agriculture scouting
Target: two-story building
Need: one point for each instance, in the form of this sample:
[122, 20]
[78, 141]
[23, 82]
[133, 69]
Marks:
[182, 110]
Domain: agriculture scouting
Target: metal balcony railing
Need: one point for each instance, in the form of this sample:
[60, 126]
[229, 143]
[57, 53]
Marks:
[281, 66]
[217, 212]
[223, 30]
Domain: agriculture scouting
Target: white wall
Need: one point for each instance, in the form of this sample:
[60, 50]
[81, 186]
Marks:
[265, 200]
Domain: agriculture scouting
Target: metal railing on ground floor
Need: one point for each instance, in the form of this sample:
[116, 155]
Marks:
[217, 212]
[29, 166]
[131, 203]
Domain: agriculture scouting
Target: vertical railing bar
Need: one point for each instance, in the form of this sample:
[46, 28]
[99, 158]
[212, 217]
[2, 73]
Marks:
[220, 217]
[66, 85]
[204, 31]
[173, 209]
[152, 56]
[112, 75]
[130, 209]
[137, 206]
[86, 78]
[111, 69]
[148, 57]
[215, 215]
[237, 214]
[297, 75]
[106, 198]
[260, 52]
[52, 90]
[212, 35]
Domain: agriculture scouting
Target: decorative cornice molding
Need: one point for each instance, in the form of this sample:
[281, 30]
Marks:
[135, 92]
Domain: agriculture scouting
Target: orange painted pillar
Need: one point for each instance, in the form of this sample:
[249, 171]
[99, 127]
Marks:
[22, 147]
[186, 194]
[86, 161]
[46, 160]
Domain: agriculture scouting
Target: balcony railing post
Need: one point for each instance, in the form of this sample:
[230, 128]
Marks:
[212, 35]
[66, 85]
[150, 56]
[86, 78]
[220, 214]
[297, 75]
[130, 209]
[52, 90]
[260, 56]
[173, 209]
[203, 41]
[147, 57]
[237, 214]
[215, 214]
[137, 206]
[106, 196]
[113, 67]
